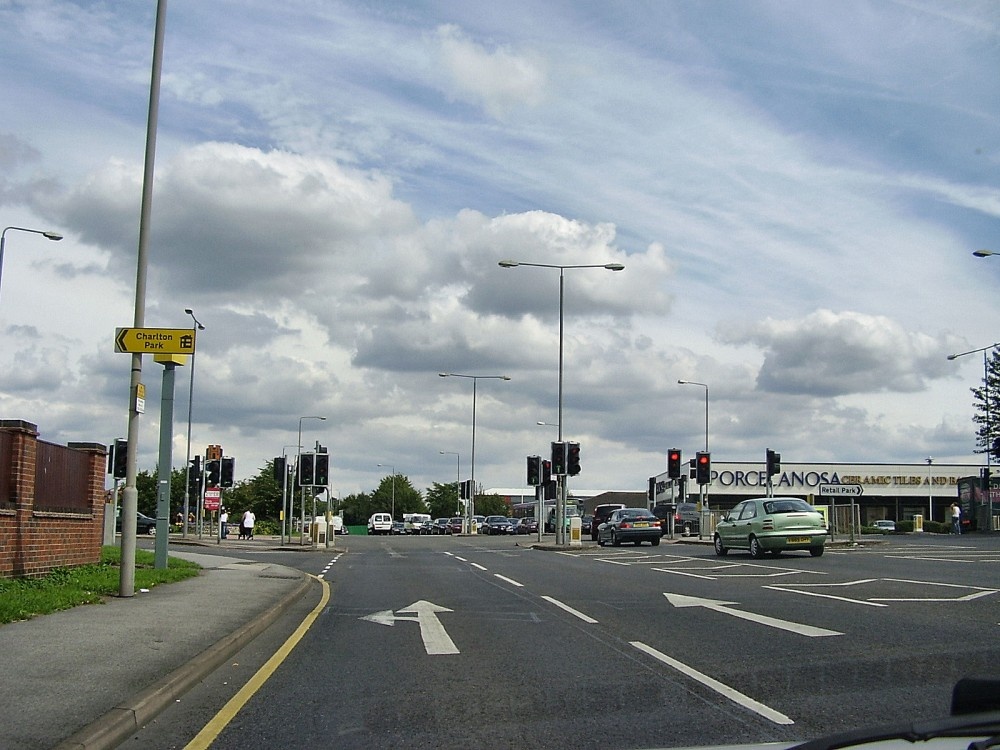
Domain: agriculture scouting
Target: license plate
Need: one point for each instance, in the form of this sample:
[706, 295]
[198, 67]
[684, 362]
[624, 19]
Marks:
[641, 525]
[798, 540]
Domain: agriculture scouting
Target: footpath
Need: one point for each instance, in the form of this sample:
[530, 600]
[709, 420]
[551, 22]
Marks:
[91, 676]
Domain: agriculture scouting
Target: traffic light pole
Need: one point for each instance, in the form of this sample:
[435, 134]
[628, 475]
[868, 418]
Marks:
[165, 460]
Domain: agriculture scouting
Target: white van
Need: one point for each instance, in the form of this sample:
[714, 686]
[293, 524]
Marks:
[412, 522]
[380, 523]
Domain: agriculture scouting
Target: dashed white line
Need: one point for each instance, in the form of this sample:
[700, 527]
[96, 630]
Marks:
[477, 565]
[329, 565]
[734, 695]
[567, 608]
[511, 581]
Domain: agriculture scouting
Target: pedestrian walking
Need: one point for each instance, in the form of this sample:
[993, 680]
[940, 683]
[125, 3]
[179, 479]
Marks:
[249, 519]
[956, 519]
[223, 523]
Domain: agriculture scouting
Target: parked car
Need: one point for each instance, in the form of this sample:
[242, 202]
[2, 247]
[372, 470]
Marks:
[455, 525]
[143, 524]
[480, 522]
[494, 525]
[440, 526]
[512, 525]
[586, 523]
[601, 514]
[636, 525]
[398, 527]
[885, 526]
[426, 527]
[687, 520]
[527, 525]
[771, 524]
[380, 523]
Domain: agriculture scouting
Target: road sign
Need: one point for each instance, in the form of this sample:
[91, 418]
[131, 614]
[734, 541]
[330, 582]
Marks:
[213, 496]
[154, 340]
[841, 490]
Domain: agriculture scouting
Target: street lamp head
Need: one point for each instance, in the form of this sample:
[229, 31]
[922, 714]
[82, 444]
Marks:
[443, 374]
[197, 322]
[614, 266]
[509, 264]
[983, 253]
[55, 236]
[505, 377]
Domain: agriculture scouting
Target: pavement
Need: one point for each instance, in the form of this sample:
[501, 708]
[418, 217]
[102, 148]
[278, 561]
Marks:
[91, 676]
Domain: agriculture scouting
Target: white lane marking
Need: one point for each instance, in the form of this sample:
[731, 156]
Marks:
[461, 558]
[734, 695]
[679, 600]
[477, 565]
[511, 581]
[436, 639]
[328, 566]
[574, 612]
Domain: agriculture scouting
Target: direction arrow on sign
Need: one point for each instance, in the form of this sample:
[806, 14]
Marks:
[154, 340]
[835, 490]
[436, 639]
[679, 600]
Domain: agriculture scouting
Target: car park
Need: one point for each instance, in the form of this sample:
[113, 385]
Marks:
[771, 524]
[636, 525]
[601, 514]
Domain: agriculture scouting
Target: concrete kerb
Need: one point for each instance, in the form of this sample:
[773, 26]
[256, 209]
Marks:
[121, 722]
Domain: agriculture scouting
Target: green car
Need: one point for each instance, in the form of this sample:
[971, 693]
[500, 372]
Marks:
[771, 524]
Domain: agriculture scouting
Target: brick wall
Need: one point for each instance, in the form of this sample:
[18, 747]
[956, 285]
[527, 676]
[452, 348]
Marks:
[34, 541]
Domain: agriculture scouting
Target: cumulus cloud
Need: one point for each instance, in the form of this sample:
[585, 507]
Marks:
[833, 354]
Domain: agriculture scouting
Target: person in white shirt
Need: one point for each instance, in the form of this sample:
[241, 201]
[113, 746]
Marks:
[223, 523]
[249, 519]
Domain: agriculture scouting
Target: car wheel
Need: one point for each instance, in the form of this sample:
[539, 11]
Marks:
[756, 551]
[655, 542]
[151, 530]
[600, 542]
[615, 541]
[719, 549]
[816, 551]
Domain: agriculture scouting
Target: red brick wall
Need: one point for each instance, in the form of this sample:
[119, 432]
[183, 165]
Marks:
[33, 542]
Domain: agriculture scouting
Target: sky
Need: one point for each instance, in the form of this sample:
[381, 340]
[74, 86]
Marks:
[795, 190]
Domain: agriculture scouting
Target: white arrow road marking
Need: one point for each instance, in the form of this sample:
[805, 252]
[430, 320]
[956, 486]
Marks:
[679, 600]
[436, 640]
[734, 695]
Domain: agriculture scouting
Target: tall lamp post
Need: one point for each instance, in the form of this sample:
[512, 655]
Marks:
[471, 507]
[561, 502]
[988, 521]
[55, 236]
[392, 511]
[286, 509]
[187, 471]
[298, 461]
[458, 478]
[702, 491]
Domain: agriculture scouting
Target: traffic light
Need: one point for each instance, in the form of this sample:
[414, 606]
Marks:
[773, 463]
[703, 467]
[213, 472]
[194, 476]
[534, 471]
[546, 472]
[674, 463]
[119, 459]
[651, 492]
[307, 469]
[279, 470]
[466, 490]
[692, 471]
[558, 458]
[572, 458]
[322, 470]
[226, 471]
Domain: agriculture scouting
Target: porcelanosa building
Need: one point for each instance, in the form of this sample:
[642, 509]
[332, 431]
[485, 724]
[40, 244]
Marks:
[894, 491]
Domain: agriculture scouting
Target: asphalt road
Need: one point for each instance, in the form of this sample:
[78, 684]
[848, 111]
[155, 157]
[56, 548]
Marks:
[611, 648]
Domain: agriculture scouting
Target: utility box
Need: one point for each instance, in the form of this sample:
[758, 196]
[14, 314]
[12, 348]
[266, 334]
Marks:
[918, 522]
[575, 528]
[317, 530]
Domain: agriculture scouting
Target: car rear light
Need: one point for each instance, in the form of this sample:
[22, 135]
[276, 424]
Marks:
[625, 525]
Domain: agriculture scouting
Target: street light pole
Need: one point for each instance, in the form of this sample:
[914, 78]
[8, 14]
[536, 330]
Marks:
[187, 469]
[458, 478]
[561, 478]
[702, 490]
[298, 459]
[55, 236]
[987, 520]
[471, 509]
[393, 509]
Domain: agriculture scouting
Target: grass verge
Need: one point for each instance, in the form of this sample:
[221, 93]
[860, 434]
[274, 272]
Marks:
[64, 588]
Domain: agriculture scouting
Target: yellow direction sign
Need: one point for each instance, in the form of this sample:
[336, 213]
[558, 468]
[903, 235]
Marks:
[154, 340]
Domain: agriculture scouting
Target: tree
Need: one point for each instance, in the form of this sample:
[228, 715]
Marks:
[442, 500]
[491, 505]
[987, 411]
[396, 492]
[357, 508]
